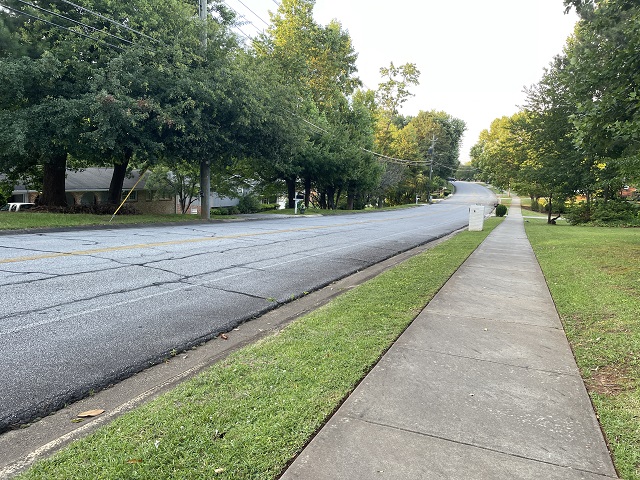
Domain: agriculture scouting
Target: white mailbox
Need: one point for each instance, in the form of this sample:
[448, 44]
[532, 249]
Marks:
[476, 218]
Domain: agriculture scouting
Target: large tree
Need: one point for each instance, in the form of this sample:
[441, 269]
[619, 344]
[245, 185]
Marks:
[119, 88]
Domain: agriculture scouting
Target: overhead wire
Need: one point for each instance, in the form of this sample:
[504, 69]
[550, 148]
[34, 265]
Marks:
[237, 27]
[258, 16]
[398, 161]
[74, 21]
[20, 12]
[246, 20]
[35, 17]
[119, 24]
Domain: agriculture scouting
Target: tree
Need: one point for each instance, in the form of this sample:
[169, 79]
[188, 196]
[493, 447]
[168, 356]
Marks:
[181, 180]
[392, 93]
[600, 73]
[112, 94]
[317, 65]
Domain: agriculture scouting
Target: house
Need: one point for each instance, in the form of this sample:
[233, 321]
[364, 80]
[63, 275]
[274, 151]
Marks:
[91, 186]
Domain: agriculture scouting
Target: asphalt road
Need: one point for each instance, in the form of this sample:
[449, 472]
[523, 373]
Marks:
[83, 309]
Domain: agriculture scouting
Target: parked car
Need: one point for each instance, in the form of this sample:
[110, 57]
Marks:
[17, 207]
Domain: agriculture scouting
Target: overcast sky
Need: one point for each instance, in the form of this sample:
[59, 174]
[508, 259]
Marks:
[475, 56]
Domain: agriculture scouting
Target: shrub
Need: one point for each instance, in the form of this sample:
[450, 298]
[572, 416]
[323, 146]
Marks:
[578, 213]
[615, 211]
[501, 210]
[94, 209]
[248, 204]
[535, 205]
[225, 211]
[269, 206]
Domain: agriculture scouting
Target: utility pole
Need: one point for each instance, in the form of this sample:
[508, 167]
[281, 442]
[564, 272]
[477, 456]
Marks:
[205, 165]
[431, 153]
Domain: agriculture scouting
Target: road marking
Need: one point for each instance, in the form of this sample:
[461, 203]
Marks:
[51, 320]
[78, 253]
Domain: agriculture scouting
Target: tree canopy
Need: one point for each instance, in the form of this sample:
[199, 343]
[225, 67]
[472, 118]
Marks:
[579, 132]
[129, 84]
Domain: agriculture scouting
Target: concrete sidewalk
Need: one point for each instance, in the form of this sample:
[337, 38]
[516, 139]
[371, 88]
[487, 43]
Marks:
[483, 385]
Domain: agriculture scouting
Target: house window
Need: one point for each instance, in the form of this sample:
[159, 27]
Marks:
[132, 198]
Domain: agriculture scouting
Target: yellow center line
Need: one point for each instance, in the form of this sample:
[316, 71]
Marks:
[77, 253]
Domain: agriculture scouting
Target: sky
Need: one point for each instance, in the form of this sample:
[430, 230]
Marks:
[475, 56]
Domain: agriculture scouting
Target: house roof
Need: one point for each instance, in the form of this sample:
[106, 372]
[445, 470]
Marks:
[98, 179]
[94, 179]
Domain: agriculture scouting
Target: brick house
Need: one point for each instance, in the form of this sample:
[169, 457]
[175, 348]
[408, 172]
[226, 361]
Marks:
[91, 186]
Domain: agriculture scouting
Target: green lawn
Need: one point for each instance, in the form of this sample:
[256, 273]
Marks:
[248, 416]
[594, 276]
[318, 211]
[25, 220]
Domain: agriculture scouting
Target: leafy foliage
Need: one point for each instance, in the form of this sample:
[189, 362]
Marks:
[579, 135]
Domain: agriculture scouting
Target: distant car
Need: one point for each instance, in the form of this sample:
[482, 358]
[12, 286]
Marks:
[17, 207]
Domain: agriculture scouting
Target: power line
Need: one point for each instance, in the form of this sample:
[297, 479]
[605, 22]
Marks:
[242, 33]
[110, 20]
[261, 19]
[237, 27]
[35, 17]
[246, 19]
[398, 161]
[74, 21]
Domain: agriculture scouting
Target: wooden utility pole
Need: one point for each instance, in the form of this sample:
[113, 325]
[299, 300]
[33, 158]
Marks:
[205, 165]
[432, 151]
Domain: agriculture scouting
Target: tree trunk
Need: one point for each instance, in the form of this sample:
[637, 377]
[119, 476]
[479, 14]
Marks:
[53, 188]
[331, 191]
[323, 200]
[291, 191]
[550, 205]
[351, 197]
[307, 191]
[119, 173]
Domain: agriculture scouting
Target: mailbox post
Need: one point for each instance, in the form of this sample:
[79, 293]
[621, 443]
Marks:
[476, 218]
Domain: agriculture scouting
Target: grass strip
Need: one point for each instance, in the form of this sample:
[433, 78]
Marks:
[25, 220]
[594, 277]
[249, 415]
[329, 212]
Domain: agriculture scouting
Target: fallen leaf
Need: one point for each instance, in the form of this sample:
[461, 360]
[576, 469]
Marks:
[134, 460]
[218, 470]
[91, 413]
[77, 420]
[223, 336]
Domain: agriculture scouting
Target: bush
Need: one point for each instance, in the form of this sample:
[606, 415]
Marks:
[578, 213]
[613, 212]
[535, 205]
[225, 211]
[269, 206]
[96, 209]
[248, 204]
[501, 210]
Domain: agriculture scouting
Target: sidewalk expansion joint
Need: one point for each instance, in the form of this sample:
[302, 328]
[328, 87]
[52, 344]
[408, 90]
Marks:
[480, 447]
[447, 313]
[494, 362]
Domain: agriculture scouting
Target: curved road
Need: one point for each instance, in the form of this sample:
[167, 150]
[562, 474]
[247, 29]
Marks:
[83, 309]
